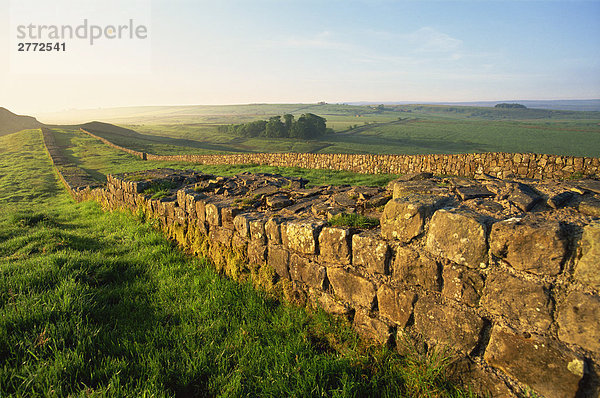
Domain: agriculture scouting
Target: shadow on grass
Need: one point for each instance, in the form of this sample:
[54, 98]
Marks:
[98, 308]
[126, 312]
[143, 142]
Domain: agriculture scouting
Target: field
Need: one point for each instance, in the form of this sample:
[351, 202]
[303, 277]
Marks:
[100, 304]
[98, 160]
[406, 129]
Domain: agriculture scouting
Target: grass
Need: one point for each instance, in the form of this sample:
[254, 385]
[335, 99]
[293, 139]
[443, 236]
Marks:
[414, 136]
[100, 304]
[353, 220]
[422, 129]
[160, 189]
[99, 159]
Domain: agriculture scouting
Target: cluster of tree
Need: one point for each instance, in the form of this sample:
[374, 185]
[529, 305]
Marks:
[307, 126]
[510, 106]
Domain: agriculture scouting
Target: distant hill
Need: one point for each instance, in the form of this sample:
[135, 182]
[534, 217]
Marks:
[236, 114]
[11, 123]
[589, 105]
[107, 128]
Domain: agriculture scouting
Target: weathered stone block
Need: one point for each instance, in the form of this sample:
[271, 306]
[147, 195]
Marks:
[228, 213]
[334, 245]
[395, 305]
[465, 372]
[523, 196]
[454, 327]
[404, 218]
[416, 269]
[221, 235]
[257, 252]
[279, 259]
[352, 288]
[590, 206]
[241, 223]
[213, 214]
[257, 230]
[371, 328]
[181, 202]
[541, 364]
[190, 203]
[239, 244]
[370, 252]
[170, 210]
[462, 284]
[277, 201]
[459, 236]
[579, 320]
[180, 216]
[332, 306]
[301, 269]
[535, 247]
[201, 210]
[473, 192]
[273, 230]
[301, 236]
[587, 267]
[522, 302]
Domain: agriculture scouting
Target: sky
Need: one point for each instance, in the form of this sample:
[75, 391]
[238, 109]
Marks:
[285, 51]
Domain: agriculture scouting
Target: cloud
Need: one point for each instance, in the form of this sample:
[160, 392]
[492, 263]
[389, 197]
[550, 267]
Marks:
[422, 41]
[428, 39]
[320, 41]
[424, 51]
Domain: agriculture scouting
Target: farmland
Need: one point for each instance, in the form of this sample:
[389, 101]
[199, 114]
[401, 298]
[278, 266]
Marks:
[406, 129]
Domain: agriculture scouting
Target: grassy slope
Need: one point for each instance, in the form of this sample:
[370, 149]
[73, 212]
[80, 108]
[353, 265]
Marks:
[99, 304]
[11, 123]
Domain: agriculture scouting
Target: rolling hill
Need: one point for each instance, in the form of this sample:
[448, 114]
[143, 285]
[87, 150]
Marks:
[11, 123]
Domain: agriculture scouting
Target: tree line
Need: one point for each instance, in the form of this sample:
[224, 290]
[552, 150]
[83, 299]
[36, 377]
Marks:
[510, 106]
[307, 126]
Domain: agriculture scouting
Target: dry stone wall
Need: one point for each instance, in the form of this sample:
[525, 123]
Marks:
[505, 273]
[497, 164]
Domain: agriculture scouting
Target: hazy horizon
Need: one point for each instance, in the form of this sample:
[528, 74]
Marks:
[240, 52]
[131, 114]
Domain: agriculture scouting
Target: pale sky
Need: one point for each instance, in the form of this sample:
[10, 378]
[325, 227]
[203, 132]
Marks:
[227, 52]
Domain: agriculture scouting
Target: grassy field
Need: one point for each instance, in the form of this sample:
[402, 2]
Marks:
[100, 304]
[99, 159]
[406, 129]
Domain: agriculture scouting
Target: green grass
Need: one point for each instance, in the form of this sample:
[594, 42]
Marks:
[353, 220]
[160, 189]
[413, 136]
[423, 129]
[100, 304]
[99, 159]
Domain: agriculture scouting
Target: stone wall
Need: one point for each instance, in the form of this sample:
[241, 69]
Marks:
[497, 164]
[505, 274]
[72, 176]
